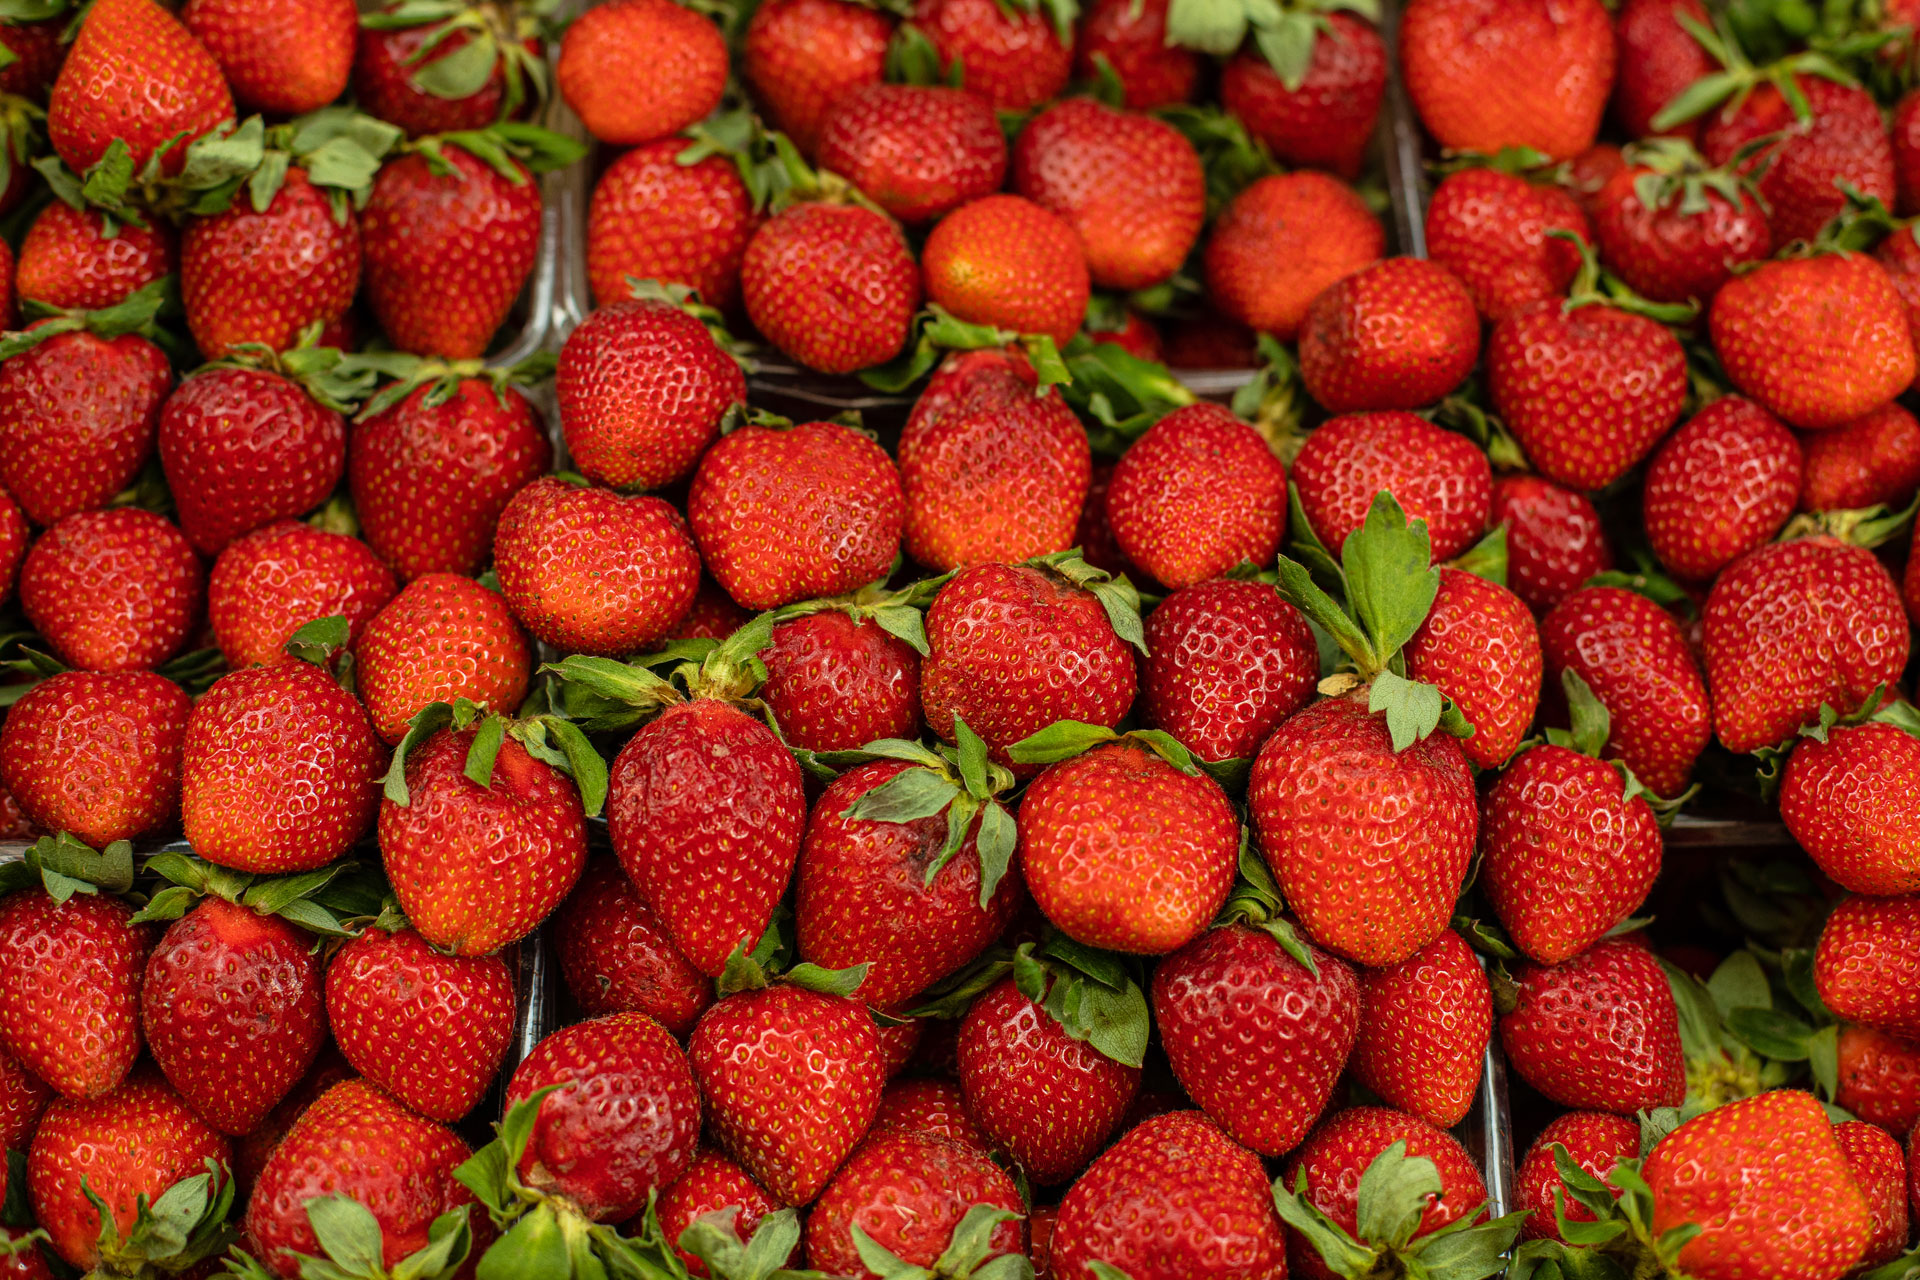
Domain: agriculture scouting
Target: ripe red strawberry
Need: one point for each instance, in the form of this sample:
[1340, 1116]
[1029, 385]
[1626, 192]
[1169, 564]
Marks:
[638, 70]
[269, 583]
[401, 52]
[1490, 229]
[1844, 796]
[1635, 658]
[1008, 262]
[128, 1148]
[803, 56]
[1674, 230]
[70, 988]
[1436, 475]
[908, 1192]
[446, 249]
[1557, 379]
[617, 957]
[250, 1152]
[1879, 1169]
[653, 218]
[135, 74]
[1595, 1141]
[1906, 156]
[1866, 967]
[232, 1008]
[1818, 341]
[1844, 140]
[1019, 57]
[96, 754]
[1658, 58]
[1226, 662]
[1879, 1078]
[888, 894]
[1720, 486]
[1795, 624]
[37, 50]
[77, 419]
[1479, 646]
[284, 58]
[428, 1028]
[1424, 1026]
[1396, 335]
[1045, 1098]
[795, 283]
[993, 469]
[1196, 495]
[1598, 1032]
[114, 590]
[1490, 74]
[67, 260]
[917, 151]
[1266, 1087]
[1554, 539]
[713, 1184]
[443, 637]
[1013, 648]
[1172, 1200]
[1320, 114]
[1872, 460]
[280, 771]
[1132, 39]
[837, 680]
[791, 1078]
[591, 571]
[1330, 229]
[357, 1142]
[929, 1106]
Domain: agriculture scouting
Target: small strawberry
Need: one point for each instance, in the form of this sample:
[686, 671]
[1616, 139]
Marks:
[1866, 967]
[135, 75]
[910, 1194]
[1424, 1027]
[1872, 460]
[1490, 229]
[1478, 645]
[114, 590]
[1554, 539]
[1674, 229]
[917, 151]
[1009, 263]
[68, 260]
[1833, 135]
[1719, 487]
[1332, 234]
[1879, 1169]
[284, 58]
[837, 680]
[1015, 57]
[1595, 1141]
[1132, 39]
[1436, 475]
[638, 70]
[1879, 1078]
[96, 754]
[1226, 662]
[804, 56]
[798, 283]
[442, 638]
[1844, 796]
[1658, 58]
[1317, 110]
[712, 1184]
[1598, 1032]
[446, 68]
[1396, 335]
[616, 956]
[269, 583]
[714, 615]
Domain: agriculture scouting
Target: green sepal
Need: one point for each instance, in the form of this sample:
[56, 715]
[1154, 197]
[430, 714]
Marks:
[1486, 558]
[186, 1225]
[1255, 901]
[1066, 739]
[64, 865]
[351, 1244]
[969, 1254]
[607, 695]
[1095, 996]
[715, 1240]
[1115, 593]
[511, 149]
[496, 41]
[961, 782]
[136, 314]
[334, 900]
[937, 331]
[326, 374]
[319, 640]
[1117, 392]
[1591, 722]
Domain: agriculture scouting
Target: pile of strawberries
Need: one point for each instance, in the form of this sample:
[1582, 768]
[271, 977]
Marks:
[1059, 826]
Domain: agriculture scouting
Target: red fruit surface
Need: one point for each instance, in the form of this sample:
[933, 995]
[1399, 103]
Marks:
[1879, 1169]
[133, 73]
[1554, 539]
[1014, 58]
[1879, 1078]
[653, 218]
[1196, 495]
[96, 754]
[1848, 802]
[1598, 1032]
[1490, 229]
[114, 590]
[833, 286]
[23, 1098]
[908, 1191]
[638, 70]
[1479, 646]
[1331, 234]
[1657, 59]
[835, 682]
[1436, 475]
[1424, 1027]
[1872, 460]
[616, 956]
[917, 151]
[284, 57]
[1669, 252]
[1867, 967]
[442, 638]
[1719, 487]
[70, 989]
[1226, 662]
[1010, 263]
[803, 56]
[1595, 1141]
[67, 260]
[1396, 335]
[269, 583]
[1132, 39]
[929, 1106]
[1845, 140]
[1326, 120]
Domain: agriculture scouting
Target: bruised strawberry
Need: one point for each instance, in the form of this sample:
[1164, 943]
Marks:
[68, 261]
[1434, 474]
[1424, 1027]
[1019, 57]
[638, 70]
[1478, 645]
[836, 681]
[1490, 229]
[653, 218]
[1396, 335]
[1009, 263]
[135, 74]
[1720, 486]
[443, 637]
[1872, 460]
[1598, 1032]
[96, 754]
[1196, 495]
[832, 285]
[917, 151]
[616, 956]
[1331, 232]
[908, 1192]
[269, 583]
[803, 56]
[1595, 1141]
[1320, 115]
[1226, 662]
[114, 590]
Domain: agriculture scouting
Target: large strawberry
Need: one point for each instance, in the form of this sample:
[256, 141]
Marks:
[442, 638]
[1479, 646]
[96, 754]
[1226, 662]
[113, 590]
[653, 218]
[1009, 263]
[1435, 475]
[1490, 74]
[1866, 967]
[1424, 1027]
[917, 151]
[638, 70]
[912, 1194]
[1599, 1031]
[137, 76]
[1019, 56]
[284, 57]
[803, 56]
[1396, 335]
[616, 956]
[1595, 1141]
[1316, 103]
[832, 285]
[1554, 539]
[1332, 232]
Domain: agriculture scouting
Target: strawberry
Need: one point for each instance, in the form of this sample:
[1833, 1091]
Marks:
[1226, 662]
[653, 218]
[1196, 495]
[791, 1077]
[1598, 1032]
[70, 988]
[96, 754]
[993, 467]
[837, 680]
[1479, 646]
[1330, 229]
[128, 1149]
[1015, 57]
[431, 472]
[1318, 111]
[428, 1028]
[68, 260]
[1872, 460]
[1792, 625]
[909, 1193]
[714, 615]
[1554, 539]
[1132, 40]
[445, 68]
[1396, 335]
[617, 957]
[13, 543]
[937, 1107]
[1595, 1141]
[1906, 154]
[1658, 58]
[903, 898]
[1174, 1199]
[114, 590]
[280, 770]
[1675, 230]
[1424, 1026]
[355, 1142]
[37, 49]
[803, 56]
[23, 1098]
[1879, 1078]
[269, 583]
[1489, 228]
[1843, 795]
[1129, 186]
[1435, 474]
[443, 637]
[1879, 1169]
[638, 70]
[283, 58]
[1719, 487]
[797, 283]
[1817, 341]
[917, 151]
[1866, 967]
[232, 1007]
[250, 1152]
[712, 1184]
[1490, 74]
[1257, 1027]
[1835, 135]
[1635, 658]
[591, 571]
[136, 75]
[1009, 263]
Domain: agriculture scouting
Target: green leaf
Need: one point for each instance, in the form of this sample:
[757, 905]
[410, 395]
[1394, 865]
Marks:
[1393, 1194]
[1698, 98]
[1412, 708]
[1823, 1059]
[1061, 740]
[587, 767]
[1211, 26]
[973, 759]
[1338, 1250]
[1168, 748]
[460, 73]
[1487, 558]
[426, 722]
[1771, 1034]
[484, 750]
[906, 797]
[1739, 982]
[534, 1246]
[905, 623]
[319, 640]
[347, 1232]
[1391, 581]
[1591, 722]
[830, 982]
[1287, 45]
[996, 841]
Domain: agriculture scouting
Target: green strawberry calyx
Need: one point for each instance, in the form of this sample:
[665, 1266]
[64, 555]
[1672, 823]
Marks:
[1068, 739]
[607, 695]
[1738, 76]
[1114, 592]
[551, 739]
[761, 967]
[1096, 996]
[937, 331]
[1679, 177]
[1284, 34]
[901, 614]
[335, 900]
[969, 1254]
[1466, 412]
[1394, 1194]
[1116, 392]
[1255, 902]
[497, 39]
[64, 865]
[1875, 709]
[1590, 725]
[770, 166]
[351, 1245]
[1620, 1242]
[137, 313]
[440, 379]
[714, 1238]
[1740, 1036]
[1867, 527]
[184, 1226]
[508, 147]
[1594, 286]
[327, 374]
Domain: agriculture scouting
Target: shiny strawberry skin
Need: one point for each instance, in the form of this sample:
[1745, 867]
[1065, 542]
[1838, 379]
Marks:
[285, 57]
[1879, 1168]
[1720, 486]
[269, 583]
[1872, 460]
[803, 56]
[1254, 1038]
[1846, 140]
[114, 590]
[1044, 1098]
[23, 1098]
[593, 571]
[1424, 1027]
[796, 283]
[1132, 38]
[1372, 873]
[908, 1191]
[917, 151]
[791, 1079]
[712, 1184]
[929, 1106]
[444, 637]
[1019, 61]
[1595, 1141]
[1196, 495]
[133, 73]
[635, 71]
[1490, 230]
[616, 956]
[67, 261]
[280, 771]
[385, 63]
[1008, 262]
[1226, 662]
[706, 811]
[1436, 475]
[1396, 335]
[864, 897]
[1554, 539]
[1598, 1032]
[1867, 964]
[1658, 58]
[1670, 254]
[1879, 1078]
[835, 682]
[70, 989]
[38, 50]
[653, 218]
[1327, 121]
[1849, 803]
[96, 753]
[1330, 229]
[13, 543]
[1479, 646]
